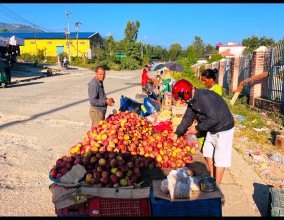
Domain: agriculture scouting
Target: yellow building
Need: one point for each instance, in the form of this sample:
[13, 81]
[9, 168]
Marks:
[56, 43]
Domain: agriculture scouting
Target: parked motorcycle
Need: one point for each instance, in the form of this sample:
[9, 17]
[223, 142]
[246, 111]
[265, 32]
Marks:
[65, 64]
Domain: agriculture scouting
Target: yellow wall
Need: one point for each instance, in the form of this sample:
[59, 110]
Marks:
[49, 45]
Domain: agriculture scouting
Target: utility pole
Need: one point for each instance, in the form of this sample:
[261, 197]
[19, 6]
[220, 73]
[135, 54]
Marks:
[77, 27]
[35, 39]
[67, 37]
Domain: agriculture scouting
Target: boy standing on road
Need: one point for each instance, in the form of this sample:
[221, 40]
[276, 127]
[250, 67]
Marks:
[97, 97]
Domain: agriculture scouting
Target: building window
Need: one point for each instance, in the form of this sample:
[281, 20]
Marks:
[32, 42]
[49, 42]
[228, 50]
[82, 42]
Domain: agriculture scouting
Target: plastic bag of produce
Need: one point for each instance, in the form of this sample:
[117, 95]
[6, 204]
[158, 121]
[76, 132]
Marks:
[165, 186]
[192, 141]
[176, 176]
[179, 191]
[186, 170]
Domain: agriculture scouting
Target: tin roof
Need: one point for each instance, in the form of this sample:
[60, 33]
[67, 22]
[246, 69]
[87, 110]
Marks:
[49, 35]
[226, 54]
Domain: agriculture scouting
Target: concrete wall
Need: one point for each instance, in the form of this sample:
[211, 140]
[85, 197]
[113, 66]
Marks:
[49, 45]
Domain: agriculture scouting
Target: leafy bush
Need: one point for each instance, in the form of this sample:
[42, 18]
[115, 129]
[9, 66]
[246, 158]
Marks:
[51, 60]
[201, 68]
[114, 66]
[189, 75]
[27, 57]
[40, 55]
[129, 63]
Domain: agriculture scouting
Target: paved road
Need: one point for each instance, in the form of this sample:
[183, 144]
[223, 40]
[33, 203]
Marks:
[52, 113]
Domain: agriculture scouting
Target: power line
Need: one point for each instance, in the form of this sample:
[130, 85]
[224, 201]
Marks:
[12, 15]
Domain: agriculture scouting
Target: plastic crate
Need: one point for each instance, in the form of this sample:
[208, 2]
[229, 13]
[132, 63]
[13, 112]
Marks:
[99, 206]
[276, 202]
[198, 208]
[76, 210]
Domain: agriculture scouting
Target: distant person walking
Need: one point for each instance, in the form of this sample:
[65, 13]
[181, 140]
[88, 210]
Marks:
[145, 79]
[97, 97]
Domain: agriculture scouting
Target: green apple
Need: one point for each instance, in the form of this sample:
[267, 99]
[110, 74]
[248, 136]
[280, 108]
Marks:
[113, 170]
[123, 182]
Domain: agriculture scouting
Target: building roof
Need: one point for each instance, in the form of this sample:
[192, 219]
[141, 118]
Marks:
[230, 44]
[226, 54]
[49, 35]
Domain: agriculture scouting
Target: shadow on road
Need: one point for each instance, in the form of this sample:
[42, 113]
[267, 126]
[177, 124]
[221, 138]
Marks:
[261, 198]
[55, 110]
[134, 84]
[19, 85]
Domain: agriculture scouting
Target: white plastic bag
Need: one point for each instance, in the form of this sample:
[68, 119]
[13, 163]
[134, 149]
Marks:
[180, 191]
[165, 186]
[191, 140]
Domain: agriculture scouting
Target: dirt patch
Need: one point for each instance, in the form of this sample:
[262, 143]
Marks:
[264, 157]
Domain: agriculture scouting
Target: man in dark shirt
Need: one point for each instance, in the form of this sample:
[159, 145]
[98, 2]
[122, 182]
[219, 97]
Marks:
[214, 116]
[97, 97]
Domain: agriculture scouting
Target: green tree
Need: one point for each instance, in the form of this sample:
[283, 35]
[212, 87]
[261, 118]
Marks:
[252, 43]
[4, 30]
[209, 49]
[199, 47]
[263, 41]
[133, 51]
[131, 31]
[121, 47]
[110, 44]
[214, 58]
[174, 51]
[191, 55]
[158, 51]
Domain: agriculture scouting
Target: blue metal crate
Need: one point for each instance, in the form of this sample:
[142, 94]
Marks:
[205, 207]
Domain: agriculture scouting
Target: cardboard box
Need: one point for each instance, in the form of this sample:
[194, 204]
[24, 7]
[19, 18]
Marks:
[179, 110]
[176, 120]
[279, 142]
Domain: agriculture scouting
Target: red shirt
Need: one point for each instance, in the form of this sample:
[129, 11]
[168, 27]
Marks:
[145, 78]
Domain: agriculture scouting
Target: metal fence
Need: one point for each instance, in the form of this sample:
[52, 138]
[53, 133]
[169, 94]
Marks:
[227, 73]
[245, 66]
[276, 73]
[266, 67]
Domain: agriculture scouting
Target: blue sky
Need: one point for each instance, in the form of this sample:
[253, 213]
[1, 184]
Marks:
[160, 24]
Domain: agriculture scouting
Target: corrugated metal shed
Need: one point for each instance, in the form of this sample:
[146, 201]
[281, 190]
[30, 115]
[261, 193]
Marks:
[49, 35]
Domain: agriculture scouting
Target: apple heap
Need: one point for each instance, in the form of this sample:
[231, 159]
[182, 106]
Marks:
[129, 132]
[62, 166]
[132, 137]
[107, 169]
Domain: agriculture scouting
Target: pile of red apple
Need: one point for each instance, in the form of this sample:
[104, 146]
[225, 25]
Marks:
[114, 151]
